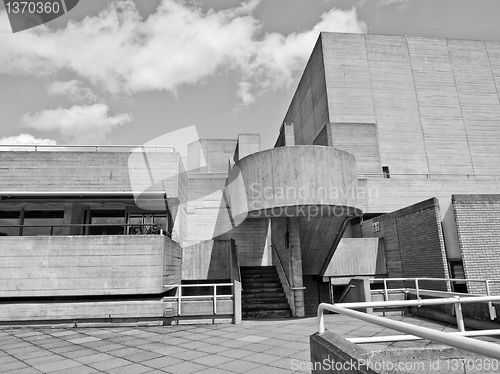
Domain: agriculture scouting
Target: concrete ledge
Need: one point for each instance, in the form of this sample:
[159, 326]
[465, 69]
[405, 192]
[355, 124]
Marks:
[107, 310]
[331, 353]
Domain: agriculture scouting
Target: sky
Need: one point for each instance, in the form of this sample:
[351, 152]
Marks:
[127, 72]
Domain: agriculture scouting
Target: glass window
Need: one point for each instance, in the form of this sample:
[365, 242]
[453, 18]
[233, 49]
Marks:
[43, 223]
[109, 222]
[8, 222]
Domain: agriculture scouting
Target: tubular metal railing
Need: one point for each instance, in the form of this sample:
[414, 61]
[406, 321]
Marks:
[95, 148]
[235, 296]
[449, 281]
[426, 175]
[144, 229]
[457, 340]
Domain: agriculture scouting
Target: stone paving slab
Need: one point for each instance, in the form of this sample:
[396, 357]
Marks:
[254, 347]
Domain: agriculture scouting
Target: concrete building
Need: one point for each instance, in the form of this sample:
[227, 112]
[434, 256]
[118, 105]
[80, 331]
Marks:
[387, 165]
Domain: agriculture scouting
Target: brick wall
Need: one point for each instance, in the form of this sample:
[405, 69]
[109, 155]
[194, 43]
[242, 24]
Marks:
[421, 243]
[478, 226]
[414, 244]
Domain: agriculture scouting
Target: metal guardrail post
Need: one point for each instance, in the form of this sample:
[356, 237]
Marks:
[458, 314]
[215, 299]
[179, 296]
[418, 290]
[237, 302]
[386, 294]
[491, 308]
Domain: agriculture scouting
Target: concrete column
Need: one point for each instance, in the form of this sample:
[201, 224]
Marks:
[296, 280]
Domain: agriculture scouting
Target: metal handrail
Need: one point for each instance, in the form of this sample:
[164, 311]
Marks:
[427, 175]
[178, 296]
[281, 266]
[36, 146]
[487, 282]
[346, 290]
[457, 341]
[162, 232]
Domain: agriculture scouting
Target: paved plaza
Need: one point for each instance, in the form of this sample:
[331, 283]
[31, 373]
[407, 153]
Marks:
[279, 346]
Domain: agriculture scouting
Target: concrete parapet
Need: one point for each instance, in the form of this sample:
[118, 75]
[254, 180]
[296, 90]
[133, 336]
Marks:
[331, 353]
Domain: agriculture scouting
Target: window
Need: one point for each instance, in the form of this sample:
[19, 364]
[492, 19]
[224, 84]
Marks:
[457, 271]
[8, 223]
[385, 171]
[106, 222]
[42, 223]
[148, 223]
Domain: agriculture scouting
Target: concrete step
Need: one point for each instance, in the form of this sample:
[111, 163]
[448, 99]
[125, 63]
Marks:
[261, 314]
[273, 306]
[256, 284]
[258, 270]
[263, 295]
[262, 289]
[260, 277]
[269, 300]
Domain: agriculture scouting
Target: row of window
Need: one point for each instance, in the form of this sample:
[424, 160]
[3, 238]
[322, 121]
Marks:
[94, 222]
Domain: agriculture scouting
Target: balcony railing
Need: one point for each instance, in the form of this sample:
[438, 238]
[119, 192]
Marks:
[128, 229]
[88, 148]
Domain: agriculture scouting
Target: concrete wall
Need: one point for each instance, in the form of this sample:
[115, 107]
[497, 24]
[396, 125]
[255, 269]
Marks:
[478, 226]
[331, 353]
[210, 155]
[89, 171]
[413, 241]
[358, 139]
[210, 259]
[357, 256]
[294, 176]
[70, 312]
[435, 102]
[87, 265]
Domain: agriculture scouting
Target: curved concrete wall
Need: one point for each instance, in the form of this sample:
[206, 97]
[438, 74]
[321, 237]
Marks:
[282, 181]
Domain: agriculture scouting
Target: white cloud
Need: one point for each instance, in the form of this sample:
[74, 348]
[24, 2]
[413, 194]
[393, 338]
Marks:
[177, 45]
[79, 124]
[24, 139]
[402, 3]
[73, 90]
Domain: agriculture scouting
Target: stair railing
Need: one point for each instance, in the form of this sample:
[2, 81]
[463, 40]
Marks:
[282, 268]
[291, 290]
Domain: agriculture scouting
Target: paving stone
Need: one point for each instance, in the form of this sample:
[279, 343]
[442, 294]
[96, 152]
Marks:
[214, 370]
[162, 362]
[123, 352]
[190, 355]
[26, 370]
[129, 369]
[239, 366]
[93, 358]
[212, 360]
[56, 365]
[85, 339]
[110, 363]
[262, 358]
[143, 356]
[13, 365]
[185, 368]
[77, 370]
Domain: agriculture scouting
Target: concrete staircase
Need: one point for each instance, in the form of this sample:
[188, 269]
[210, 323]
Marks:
[263, 295]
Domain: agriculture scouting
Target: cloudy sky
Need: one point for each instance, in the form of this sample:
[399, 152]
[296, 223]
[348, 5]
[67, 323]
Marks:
[126, 72]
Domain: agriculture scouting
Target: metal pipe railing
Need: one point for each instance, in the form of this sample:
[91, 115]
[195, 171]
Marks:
[94, 147]
[161, 231]
[449, 281]
[213, 296]
[457, 341]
